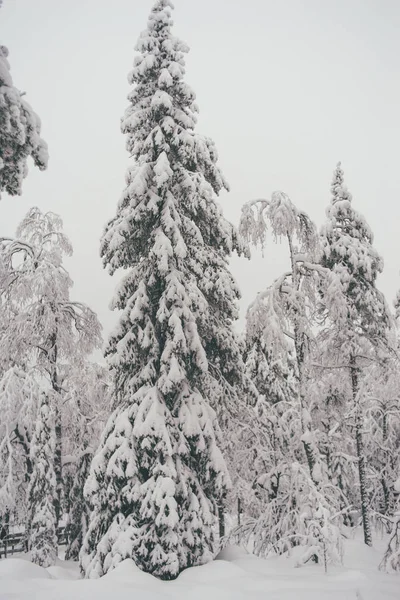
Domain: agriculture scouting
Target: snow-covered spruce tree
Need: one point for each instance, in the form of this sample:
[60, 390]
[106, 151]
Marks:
[19, 133]
[361, 332]
[158, 477]
[78, 509]
[19, 395]
[86, 409]
[42, 488]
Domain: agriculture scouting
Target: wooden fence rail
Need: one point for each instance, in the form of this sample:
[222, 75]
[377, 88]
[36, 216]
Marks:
[13, 543]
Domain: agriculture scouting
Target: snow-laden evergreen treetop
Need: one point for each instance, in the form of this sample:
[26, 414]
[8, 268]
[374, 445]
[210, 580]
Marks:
[19, 133]
[159, 477]
[347, 250]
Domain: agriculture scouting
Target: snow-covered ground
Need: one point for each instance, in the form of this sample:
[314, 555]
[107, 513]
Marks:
[234, 576]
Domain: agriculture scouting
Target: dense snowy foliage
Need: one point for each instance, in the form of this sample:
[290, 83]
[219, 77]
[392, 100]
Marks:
[45, 337]
[41, 323]
[361, 334]
[42, 487]
[86, 409]
[323, 317]
[278, 336]
[19, 133]
[159, 477]
[284, 439]
[284, 311]
[18, 407]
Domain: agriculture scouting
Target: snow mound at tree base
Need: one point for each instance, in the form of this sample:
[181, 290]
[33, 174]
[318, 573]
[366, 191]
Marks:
[21, 569]
[127, 570]
[231, 553]
[211, 572]
[60, 571]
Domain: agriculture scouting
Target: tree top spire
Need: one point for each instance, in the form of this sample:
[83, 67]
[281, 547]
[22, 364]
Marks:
[338, 189]
[160, 5]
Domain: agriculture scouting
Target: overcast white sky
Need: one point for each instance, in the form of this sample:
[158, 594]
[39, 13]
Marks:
[286, 89]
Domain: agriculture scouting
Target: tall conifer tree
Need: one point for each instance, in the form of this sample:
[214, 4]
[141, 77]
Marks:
[362, 330]
[158, 477]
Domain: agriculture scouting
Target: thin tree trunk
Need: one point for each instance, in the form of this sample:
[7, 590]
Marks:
[385, 486]
[53, 355]
[28, 463]
[305, 427]
[360, 453]
[299, 343]
[221, 521]
[386, 495]
[58, 463]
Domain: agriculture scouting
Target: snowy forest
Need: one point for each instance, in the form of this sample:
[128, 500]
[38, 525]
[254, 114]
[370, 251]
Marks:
[193, 434]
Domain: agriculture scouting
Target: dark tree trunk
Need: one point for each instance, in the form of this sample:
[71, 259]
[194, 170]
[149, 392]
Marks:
[25, 445]
[386, 459]
[58, 464]
[221, 522]
[53, 355]
[305, 427]
[300, 348]
[360, 453]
